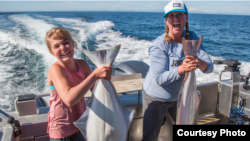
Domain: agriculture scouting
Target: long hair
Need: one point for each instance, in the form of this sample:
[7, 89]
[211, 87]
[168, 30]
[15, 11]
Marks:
[169, 39]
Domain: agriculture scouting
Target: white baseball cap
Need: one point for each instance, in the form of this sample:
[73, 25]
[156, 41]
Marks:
[175, 6]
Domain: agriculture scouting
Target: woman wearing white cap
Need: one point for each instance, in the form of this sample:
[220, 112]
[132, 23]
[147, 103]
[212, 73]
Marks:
[168, 65]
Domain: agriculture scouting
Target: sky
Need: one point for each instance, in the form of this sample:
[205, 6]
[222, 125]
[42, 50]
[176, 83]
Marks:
[194, 6]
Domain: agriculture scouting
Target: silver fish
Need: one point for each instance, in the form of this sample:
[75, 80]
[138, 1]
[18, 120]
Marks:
[189, 100]
[105, 118]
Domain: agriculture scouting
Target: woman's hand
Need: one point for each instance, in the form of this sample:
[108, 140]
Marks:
[103, 72]
[190, 63]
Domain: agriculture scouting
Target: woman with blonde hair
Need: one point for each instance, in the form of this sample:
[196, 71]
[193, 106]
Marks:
[69, 80]
[168, 65]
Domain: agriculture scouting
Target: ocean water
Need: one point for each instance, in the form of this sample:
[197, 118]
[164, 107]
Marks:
[25, 60]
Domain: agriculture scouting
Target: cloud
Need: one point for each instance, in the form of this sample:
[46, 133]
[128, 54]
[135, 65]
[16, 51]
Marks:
[192, 9]
[195, 10]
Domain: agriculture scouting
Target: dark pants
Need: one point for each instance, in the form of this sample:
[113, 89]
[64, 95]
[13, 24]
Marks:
[74, 137]
[154, 111]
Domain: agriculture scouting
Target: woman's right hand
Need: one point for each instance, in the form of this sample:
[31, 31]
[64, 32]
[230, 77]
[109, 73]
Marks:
[103, 72]
[190, 63]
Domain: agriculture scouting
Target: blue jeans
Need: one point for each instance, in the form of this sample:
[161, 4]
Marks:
[74, 137]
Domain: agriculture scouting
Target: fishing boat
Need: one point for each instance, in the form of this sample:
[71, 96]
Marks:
[222, 103]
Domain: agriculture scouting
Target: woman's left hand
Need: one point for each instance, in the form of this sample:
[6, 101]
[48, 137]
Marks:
[189, 63]
[195, 61]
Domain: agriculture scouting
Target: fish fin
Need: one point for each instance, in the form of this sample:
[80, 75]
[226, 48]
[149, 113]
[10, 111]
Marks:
[199, 43]
[183, 41]
[102, 57]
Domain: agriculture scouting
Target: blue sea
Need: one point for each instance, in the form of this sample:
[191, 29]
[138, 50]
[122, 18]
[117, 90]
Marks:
[25, 60]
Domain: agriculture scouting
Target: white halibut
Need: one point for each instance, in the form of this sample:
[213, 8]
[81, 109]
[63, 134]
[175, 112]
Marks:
[189, 100]
[105, 118]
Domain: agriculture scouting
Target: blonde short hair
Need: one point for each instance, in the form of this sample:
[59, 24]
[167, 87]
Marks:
[58, 32]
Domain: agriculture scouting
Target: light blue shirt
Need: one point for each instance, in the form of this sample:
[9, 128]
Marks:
[163, 80]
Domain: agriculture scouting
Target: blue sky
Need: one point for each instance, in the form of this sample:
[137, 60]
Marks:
[194, 6]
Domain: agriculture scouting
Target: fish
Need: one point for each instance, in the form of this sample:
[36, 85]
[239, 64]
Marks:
[105, 118]
[189, 98]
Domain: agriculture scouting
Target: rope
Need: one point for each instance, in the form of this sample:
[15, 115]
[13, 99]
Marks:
[235, 113]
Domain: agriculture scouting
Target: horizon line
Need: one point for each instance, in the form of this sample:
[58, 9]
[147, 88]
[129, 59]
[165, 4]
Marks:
[124, 11]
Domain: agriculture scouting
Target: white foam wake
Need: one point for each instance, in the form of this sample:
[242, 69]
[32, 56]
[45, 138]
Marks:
[86, 31]
[18, 40]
